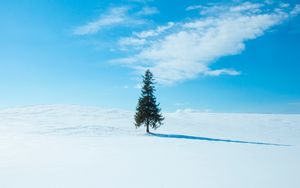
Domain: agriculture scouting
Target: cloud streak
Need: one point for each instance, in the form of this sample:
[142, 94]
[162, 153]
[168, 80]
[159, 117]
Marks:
[184, 50]
[112, 17]
[145, 11]
[116, 16]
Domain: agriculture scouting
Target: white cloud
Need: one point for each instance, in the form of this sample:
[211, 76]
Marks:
[154, 32]
[247, 6]
[148, 11]
[216, 9]
[113, 17]
[131, 41]
[222, 71]
[139, 39]
[284, 5]
[190, 47]
[296, 10]
[194, 7]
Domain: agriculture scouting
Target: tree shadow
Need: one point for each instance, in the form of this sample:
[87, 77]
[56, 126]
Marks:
[179, 136]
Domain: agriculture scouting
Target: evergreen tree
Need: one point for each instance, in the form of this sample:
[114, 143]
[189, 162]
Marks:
[148, 111]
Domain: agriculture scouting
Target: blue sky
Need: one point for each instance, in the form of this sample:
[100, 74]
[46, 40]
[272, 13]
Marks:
[220, 56]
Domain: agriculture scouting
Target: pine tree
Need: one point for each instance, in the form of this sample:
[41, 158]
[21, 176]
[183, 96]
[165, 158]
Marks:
[148, 111]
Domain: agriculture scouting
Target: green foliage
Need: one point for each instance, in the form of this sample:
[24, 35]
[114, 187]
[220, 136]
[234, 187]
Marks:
[148, 111]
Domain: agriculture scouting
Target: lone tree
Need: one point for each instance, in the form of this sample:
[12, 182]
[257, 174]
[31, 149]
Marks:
[147, 110]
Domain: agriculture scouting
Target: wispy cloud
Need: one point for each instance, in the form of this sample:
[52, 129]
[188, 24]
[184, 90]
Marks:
[194, 7]
[154, 32]
[131, 41]
[112, 17]
[139, 38]
[116, 16]
[222, 71]
[183, 50]
[296, 10]
[147, 11]
[216, 9]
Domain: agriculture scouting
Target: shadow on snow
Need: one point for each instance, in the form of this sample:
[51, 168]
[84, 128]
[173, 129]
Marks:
[179, 136]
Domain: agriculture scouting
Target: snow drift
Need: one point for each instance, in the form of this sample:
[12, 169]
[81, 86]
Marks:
[74, 146]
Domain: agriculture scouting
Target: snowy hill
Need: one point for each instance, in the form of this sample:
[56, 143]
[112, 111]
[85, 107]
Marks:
[68, 146]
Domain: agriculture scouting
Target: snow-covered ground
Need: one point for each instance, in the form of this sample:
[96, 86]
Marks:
[68, 146]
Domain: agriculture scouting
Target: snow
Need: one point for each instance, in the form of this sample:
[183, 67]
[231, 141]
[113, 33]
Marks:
[69, 146]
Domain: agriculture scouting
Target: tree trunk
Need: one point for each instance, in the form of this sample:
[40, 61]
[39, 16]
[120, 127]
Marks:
[147, 125]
